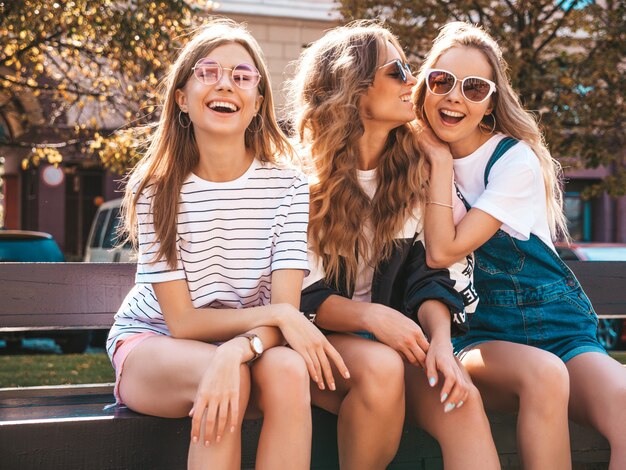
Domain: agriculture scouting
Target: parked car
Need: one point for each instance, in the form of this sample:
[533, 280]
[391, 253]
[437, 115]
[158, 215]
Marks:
[592, 251]
[25, 246]
[103, 244]
[611, 331]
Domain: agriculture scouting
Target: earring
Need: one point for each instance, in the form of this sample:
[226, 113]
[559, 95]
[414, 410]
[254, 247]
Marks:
[180, 120]
[258, 127]
[493, 128]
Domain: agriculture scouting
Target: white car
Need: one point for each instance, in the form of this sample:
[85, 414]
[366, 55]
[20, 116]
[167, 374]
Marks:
[103, 244]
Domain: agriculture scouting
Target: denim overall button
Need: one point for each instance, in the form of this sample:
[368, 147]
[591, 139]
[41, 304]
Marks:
[571, 282]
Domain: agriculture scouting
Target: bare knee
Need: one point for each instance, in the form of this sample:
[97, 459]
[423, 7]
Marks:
[544, 383]
[282, 377]
[379, 375]
[473, 405]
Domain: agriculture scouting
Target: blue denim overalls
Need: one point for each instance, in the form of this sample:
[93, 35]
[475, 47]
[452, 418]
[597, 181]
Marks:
[527, 294]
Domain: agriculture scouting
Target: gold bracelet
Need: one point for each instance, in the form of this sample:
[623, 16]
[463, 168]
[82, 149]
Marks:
[440, 204]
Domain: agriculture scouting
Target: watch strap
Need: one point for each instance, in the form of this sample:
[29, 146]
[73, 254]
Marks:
[250, 337]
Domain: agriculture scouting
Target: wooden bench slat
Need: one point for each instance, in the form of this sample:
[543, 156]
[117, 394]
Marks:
[87, 295]
[605, 284]
[62, 295]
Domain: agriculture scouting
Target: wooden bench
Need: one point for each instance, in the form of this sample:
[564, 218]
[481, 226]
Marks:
[73, 427]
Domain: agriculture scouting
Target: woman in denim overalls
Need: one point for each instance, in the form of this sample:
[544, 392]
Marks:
[532, 343]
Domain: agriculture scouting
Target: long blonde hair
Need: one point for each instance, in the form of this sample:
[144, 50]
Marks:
[172, 152]
[510, 117]
[332, 76]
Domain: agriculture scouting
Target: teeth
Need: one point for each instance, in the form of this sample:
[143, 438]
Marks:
[405, 98]
[222, 104]
[452, 113]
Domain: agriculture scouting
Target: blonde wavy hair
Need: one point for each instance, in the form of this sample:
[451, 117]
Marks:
[172, 152]
[511, 118]
[332, 76]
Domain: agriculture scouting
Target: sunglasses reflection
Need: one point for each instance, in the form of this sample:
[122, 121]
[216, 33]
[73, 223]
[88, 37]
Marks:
[474, 89]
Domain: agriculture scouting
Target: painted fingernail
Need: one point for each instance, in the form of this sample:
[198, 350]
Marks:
[459, 404]
[218, 439]
[432, 381]
[332, 386]
[232, 428]
[449, 407]
[347, 375]
[207, 443]
[444, 397]
[194, 439]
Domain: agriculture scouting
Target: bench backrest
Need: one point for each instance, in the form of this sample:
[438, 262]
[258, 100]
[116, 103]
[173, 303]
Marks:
[51, 296]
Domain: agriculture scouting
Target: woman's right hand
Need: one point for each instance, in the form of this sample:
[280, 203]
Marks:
[217, 397]
[398, 332]
[455, 388]
[307, 340]
[431, 146]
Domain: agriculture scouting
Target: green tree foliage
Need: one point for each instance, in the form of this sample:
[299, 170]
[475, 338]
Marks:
[566, 58]
[77, 66]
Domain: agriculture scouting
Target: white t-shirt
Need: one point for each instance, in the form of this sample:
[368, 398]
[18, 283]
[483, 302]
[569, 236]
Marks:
[365, 271]
[231, 236]
[515, 192]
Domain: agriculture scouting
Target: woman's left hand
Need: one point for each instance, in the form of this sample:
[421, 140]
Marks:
[455, 388]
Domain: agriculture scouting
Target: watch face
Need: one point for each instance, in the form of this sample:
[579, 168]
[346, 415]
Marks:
[257, 345]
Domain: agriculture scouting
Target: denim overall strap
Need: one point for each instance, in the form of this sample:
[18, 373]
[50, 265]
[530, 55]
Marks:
[503, 146]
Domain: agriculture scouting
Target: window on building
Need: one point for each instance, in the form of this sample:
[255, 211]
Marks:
[578, 213]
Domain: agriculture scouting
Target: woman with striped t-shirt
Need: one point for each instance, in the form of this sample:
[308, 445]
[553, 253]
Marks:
[221, 227]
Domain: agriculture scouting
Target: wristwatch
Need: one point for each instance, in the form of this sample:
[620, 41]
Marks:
[256, 345]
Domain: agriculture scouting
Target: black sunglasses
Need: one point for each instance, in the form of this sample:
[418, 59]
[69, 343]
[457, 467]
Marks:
[403, 68]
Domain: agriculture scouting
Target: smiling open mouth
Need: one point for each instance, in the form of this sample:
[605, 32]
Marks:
[451, 117]
[223, 107]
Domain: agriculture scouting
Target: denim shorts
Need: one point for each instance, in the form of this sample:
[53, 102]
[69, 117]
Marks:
[566, 326]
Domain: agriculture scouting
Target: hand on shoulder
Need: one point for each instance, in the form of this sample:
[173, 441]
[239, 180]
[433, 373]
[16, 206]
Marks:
[432, 147]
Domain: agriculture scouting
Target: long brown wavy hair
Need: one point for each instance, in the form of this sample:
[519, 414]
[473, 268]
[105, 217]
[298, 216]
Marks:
[172, 152]
[332, 76]
[510, 117]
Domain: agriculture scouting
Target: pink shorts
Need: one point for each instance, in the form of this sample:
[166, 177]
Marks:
[122, 350]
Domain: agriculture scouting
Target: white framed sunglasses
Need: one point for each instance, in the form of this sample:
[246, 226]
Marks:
[475, 89]
[209, 71]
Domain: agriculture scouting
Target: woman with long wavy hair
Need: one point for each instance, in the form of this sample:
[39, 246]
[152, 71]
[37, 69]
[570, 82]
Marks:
[219, 216]
[369, 279]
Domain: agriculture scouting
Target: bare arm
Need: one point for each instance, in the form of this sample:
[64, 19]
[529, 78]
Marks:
[286, 285]
[340, 314]
[445, 242]
[210, 324]
[388, 325]
[434, 317]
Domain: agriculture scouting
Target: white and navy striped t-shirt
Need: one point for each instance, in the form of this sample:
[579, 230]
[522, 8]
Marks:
[231, 236]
